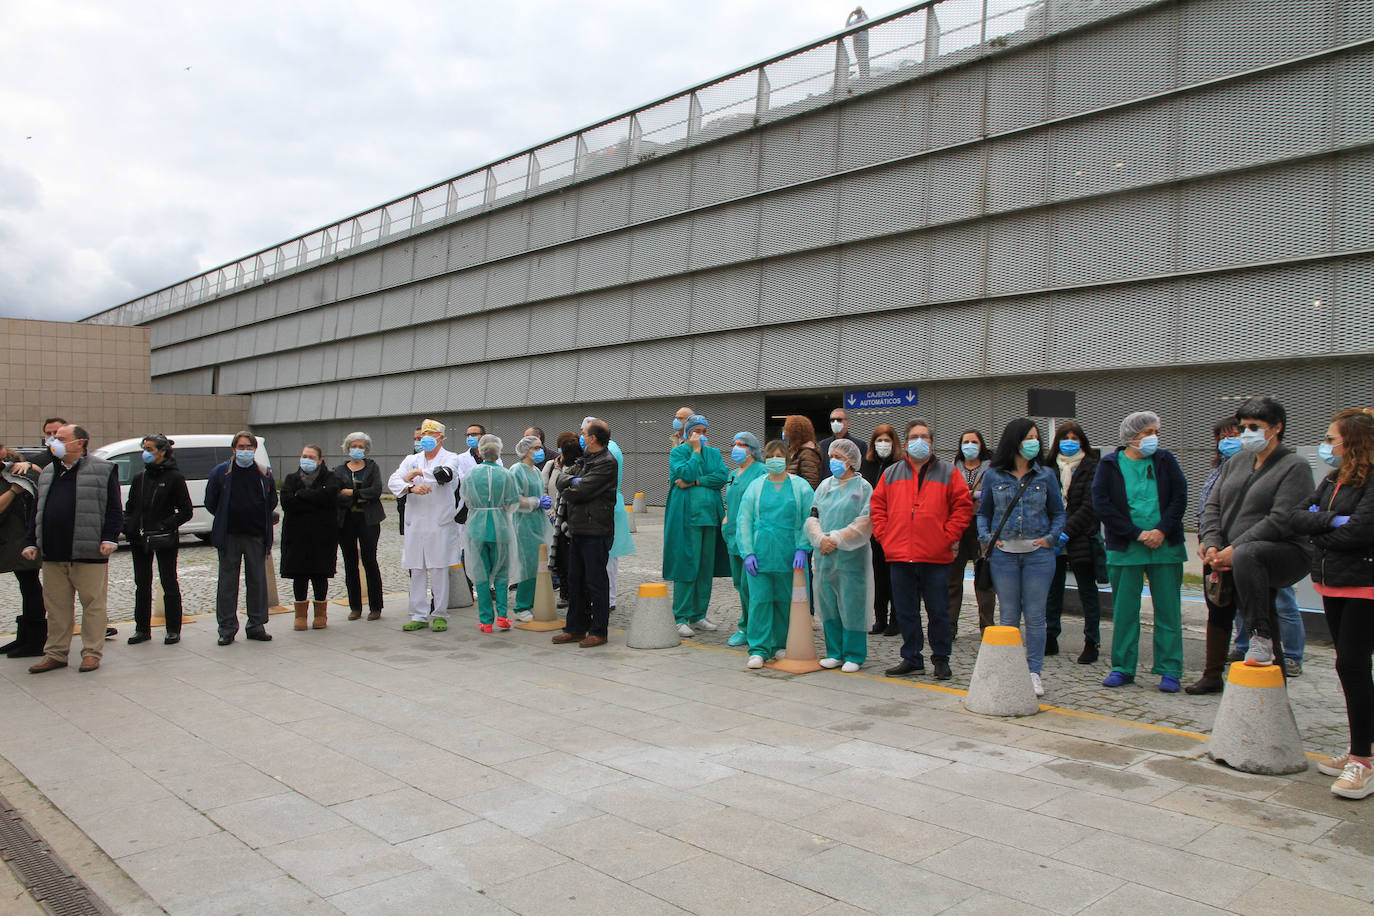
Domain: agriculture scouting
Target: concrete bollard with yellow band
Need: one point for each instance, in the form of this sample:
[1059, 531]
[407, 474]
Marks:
[1001, 684]
[1255, 731]
[801, 643]
[630, 514]
[545, 612]
[639, 503]
[652, 625]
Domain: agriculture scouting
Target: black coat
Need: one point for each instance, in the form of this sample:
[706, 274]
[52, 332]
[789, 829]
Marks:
[591, 503]
[14, 525]
[366, 495]
[1344, 556]
[1080, 521]
[158, 500]
[310, 526]
[1109, 499]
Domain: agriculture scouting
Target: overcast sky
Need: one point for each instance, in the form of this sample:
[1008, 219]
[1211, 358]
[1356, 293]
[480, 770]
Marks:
[143, 142]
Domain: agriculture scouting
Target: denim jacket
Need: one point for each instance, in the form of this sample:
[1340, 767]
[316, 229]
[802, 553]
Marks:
[1039, 514]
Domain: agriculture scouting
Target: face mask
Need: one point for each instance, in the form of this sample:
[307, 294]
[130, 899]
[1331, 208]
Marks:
[357, 454]
[148, 457]
[918, 449]
[836, 426]
[1148, 445]
[837, 467]
[538, 455]
[1253, 440]
[582, 441]
[472, 441]
[970, 450]
[309, 465]
[738, 454]
[1069, 447]
[1228, 446]
[1030, 448]
[677, 424]
[704, 440]
[58, 449]
[1326, 452]
[428, 444]
[419, 446]
[882, 449]
[243, 457]
[775, 465]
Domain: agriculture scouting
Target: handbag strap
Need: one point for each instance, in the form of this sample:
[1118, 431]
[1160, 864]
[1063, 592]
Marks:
[987, 551]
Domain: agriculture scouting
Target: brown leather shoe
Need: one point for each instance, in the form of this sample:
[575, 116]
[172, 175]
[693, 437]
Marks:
[89, 663]
[565, 638]
[47, 664]
[592, 641]
[355, 613]
[374, 615]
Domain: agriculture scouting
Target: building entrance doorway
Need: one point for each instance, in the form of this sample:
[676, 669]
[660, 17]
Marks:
[815, 407]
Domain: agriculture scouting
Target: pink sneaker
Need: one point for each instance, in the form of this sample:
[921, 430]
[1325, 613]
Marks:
[484, 627]
[503, 623]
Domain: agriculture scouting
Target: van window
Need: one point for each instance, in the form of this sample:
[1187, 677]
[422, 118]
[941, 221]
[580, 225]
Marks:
[129, 464]
[195, 463]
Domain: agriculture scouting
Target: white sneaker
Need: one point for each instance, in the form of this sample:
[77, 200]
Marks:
[523, 616]
[1037, 684]
[830, 663]
[706, 624]
[755, 661]
[1357, 781]
[685, 630]
[781, 653]
[849, 667]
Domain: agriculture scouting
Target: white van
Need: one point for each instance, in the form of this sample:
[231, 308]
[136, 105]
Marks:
[195, 455]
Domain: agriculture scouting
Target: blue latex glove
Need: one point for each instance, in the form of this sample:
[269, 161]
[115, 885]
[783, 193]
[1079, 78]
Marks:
[1063, 538]
[1339, 520]
[1313, 508]
[751, 565]
[799, 560]
[545, 502]
[576, 481]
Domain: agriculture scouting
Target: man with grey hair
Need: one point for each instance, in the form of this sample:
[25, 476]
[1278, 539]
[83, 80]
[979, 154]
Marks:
[241, 495]
[679, 419]
[839, 430]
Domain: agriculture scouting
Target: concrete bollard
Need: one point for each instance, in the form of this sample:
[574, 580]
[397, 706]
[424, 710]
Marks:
[545, 612]
[1255, 731]
[459, 593]
[801, 644]
[639, 503]
[653, 625]
[1001, 684]
[274, 605]
[630, 514]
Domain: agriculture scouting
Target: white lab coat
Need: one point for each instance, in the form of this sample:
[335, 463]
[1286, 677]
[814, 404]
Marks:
[432, 538]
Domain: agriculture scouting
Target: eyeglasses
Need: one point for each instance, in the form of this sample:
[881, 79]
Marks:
[1255, 427]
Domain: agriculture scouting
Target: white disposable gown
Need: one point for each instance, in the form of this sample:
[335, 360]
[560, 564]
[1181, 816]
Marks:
[432, 536]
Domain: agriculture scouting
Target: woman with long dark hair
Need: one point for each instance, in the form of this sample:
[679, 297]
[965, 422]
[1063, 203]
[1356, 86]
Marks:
[972, 461]
[882, 451]
[1022, 559]
[159, 503]
[1075, 461]
[360, 524]
[1339, 520]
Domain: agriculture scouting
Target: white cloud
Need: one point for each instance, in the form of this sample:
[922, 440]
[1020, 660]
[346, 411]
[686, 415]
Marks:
[121, 170]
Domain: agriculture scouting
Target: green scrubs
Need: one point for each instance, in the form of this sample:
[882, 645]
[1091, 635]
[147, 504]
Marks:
[729, 529]
[770, 527]
[843, 578]
[1128, 569]
[693, 550]
[490, 493]
[531, 529]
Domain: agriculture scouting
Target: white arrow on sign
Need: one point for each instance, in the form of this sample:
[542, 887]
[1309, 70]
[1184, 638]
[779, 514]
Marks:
[910, 396]
[851, 400]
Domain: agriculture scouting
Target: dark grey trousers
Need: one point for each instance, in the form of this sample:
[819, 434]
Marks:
[250, 553]
[1260, 569]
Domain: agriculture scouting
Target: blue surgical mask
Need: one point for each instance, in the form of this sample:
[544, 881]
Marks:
[1148, 445]
[357, 454]
[738, 454]
[1069, 447]
[538, 455]
[704, 440]
[1030, 448]
[472, 441]
[148, 457]
[243, 457]
[419, 445]
[677, 424]
[970, 450]
[428, 444]
[837, 467]
[1326, 452]
[918, 449]
[1253, 440]
[775, 465]
[309, 465]
[1228, 445]
[582, 441]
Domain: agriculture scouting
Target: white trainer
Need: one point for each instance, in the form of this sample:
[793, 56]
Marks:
[1037, 684]
[830, 663]
[705, 624]
[781, 653]
[755, 661]
[685, 630]
[850, 667]
[523, 616]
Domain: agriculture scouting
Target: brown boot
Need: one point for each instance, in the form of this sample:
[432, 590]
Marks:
[302, 607]
[321, 615]
[1218, 643]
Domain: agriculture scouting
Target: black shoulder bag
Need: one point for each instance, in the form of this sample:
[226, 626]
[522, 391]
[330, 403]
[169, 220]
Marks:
[982, 572]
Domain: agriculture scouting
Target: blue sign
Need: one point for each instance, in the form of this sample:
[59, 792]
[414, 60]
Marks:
[880, 397]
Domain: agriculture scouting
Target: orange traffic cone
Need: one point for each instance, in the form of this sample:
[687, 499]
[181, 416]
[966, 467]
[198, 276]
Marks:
[801, 645]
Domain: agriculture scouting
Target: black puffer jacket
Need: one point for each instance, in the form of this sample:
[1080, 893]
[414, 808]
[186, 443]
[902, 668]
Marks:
[1080, 521]
[1344, 556]
[158, 500]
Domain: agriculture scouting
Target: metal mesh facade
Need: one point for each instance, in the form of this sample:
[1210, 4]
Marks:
[1157, 204]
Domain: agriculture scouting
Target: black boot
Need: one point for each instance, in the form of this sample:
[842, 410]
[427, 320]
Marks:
[1089, 653]
[1218, 643]
[1051, 645]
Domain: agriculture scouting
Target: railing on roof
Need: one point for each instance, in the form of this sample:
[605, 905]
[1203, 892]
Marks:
[865, 56]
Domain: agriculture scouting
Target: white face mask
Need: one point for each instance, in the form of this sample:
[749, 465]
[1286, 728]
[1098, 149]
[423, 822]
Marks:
[836, 426]
[58, 449]
[883, 448]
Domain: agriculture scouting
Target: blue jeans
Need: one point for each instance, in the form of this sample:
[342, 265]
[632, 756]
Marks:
[1022, 581]
[913, 583]
[1292, 633]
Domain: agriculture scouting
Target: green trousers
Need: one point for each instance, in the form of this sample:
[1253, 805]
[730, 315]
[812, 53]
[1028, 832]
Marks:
[690, 599]
[770, 610]
[491, 557]
[841, 598]
[524, 595]
[1166, 582]
[741, 580]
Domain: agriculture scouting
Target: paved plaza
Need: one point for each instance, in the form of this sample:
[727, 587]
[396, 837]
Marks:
[361, 769]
